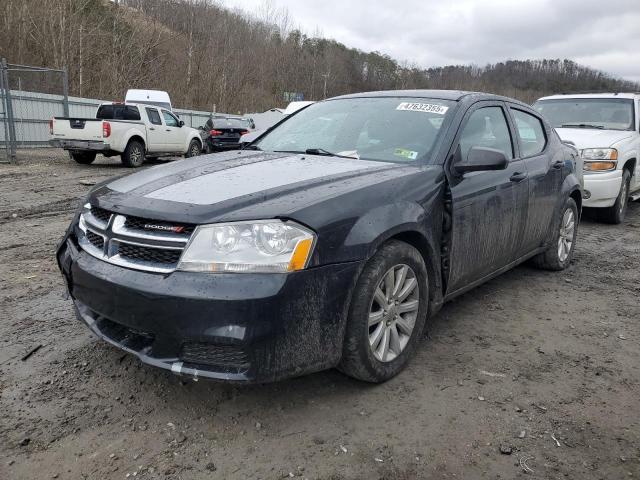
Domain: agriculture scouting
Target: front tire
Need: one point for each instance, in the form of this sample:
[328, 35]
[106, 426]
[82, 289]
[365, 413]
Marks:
[83, 158]
[194, 149]
[615, 214]
[387, 315]
[133, 155]
[560, 252]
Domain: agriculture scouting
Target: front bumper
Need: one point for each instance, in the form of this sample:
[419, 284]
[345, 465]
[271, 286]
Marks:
[96, 146]
[603, 188]
[232, 327]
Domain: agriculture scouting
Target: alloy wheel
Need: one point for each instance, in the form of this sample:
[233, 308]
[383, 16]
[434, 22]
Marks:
[565, 241]
[393, 312]
[135, 155]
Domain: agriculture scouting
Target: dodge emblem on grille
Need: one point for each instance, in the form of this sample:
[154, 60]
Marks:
[166, 228]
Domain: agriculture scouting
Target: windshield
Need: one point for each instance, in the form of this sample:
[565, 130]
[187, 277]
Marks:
[388, 129]
[606, 113]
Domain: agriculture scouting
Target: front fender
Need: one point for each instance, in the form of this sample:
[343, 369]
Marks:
[194, 134]
[411, 222]
[384, 222]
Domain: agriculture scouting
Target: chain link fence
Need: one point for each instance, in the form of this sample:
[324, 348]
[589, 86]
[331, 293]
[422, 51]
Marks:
[25, 115]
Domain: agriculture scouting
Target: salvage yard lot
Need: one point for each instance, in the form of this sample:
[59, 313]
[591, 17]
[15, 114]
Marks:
[543, 366]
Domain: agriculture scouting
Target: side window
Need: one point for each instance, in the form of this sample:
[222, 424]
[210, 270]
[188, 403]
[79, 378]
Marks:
[530, 132]
[154, 116]
[487, 127]
[131, 113]
[169, 120]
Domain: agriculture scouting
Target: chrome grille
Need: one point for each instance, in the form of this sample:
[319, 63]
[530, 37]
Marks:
[101, 214]
[115, 239]
[95, 240]
[159, 255]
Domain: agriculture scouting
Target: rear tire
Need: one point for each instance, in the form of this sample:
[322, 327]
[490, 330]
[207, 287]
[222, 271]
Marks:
[194, 149]
[383, 328]
[615, 215]
[560, 252]
[133, 155]
[84, 158]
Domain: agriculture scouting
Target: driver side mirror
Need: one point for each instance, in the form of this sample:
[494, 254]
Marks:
[181, 123]
[480, 159]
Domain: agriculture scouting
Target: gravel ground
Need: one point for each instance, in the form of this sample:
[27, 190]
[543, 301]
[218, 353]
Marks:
[532, 375]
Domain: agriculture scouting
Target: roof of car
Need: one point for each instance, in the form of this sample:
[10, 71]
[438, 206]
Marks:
[454, 95]
[592, 95]
[438, 94]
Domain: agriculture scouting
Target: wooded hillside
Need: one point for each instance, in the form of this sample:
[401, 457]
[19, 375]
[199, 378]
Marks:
[209, 57]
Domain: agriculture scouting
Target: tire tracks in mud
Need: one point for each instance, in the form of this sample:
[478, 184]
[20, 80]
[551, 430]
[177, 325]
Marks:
[58, 207]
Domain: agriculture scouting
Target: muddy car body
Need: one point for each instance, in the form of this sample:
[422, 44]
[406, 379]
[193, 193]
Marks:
[392, 225]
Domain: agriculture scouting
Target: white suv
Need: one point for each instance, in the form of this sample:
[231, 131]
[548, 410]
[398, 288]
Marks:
[605, 128]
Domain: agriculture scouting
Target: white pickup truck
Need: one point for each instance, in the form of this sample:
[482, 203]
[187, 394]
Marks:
[605, 128]
[133, 131]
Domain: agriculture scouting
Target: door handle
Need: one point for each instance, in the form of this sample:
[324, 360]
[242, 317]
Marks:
[151, 128]
[518, 177]
[168, 130]
[558, 164]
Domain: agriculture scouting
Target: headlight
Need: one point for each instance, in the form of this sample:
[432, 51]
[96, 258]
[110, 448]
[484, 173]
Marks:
[600, 154]
[599, 159]
[269, 246]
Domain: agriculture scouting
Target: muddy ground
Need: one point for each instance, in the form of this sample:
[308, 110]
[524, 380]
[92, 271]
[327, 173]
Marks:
[543, 365]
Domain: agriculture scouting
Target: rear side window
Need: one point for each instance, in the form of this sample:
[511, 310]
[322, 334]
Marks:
[118, 112]
[487, 128]
[154, 116]
[530, 133]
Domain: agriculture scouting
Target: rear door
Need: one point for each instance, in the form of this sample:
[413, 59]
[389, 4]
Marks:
[489, 209]
[156, 139]
[173, 132]
[544, 163]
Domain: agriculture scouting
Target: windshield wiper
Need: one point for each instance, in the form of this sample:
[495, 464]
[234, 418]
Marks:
[581, 125]
[317, 151]
[251, 147]
[326, 153]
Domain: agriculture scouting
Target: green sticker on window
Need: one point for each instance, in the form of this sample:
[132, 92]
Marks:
[401, 152]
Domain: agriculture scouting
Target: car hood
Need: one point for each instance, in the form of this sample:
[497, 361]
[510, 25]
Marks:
[592, 138]
[239, 185]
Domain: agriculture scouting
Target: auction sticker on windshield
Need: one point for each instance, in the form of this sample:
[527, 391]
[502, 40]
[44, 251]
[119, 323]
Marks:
[423, 107]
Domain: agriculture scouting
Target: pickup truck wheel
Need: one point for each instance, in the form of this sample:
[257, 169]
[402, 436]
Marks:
[85, 158]
[560, 252]
[387, 315]
[133, 155]
[194, 149]
[615, 214]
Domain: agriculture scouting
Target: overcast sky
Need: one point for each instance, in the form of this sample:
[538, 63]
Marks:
[603, 34]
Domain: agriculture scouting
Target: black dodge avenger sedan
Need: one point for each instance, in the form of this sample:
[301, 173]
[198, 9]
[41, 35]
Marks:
[328, 242]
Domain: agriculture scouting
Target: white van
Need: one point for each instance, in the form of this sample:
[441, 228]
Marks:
[149, 97]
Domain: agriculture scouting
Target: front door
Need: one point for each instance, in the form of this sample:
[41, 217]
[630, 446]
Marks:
[173, 132]
[489, 209]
